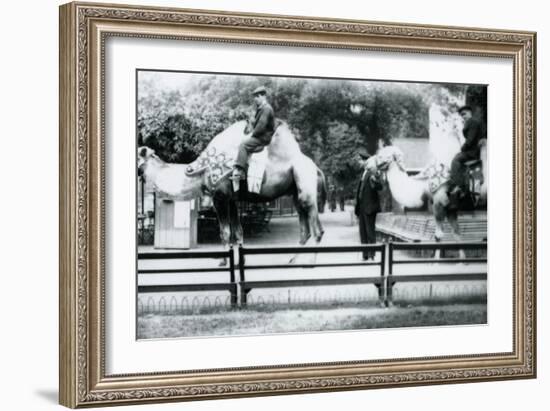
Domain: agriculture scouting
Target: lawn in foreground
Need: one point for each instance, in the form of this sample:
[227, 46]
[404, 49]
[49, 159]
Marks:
[274, 319]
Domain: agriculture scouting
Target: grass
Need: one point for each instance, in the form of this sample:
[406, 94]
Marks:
[425, 316]
[275, 319]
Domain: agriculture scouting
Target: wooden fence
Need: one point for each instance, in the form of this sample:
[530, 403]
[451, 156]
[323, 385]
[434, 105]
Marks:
[230, 286]
[384, 282]
[391, 278]
[247, 286]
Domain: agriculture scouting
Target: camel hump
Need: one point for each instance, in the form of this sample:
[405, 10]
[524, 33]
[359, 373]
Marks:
[283, 145]
[228, 140]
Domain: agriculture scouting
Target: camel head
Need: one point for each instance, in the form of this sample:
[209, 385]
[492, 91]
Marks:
[143, 155]
[385, 157]
[167, 178]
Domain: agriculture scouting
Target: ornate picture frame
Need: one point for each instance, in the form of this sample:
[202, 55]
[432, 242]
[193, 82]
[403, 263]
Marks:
[84, 30]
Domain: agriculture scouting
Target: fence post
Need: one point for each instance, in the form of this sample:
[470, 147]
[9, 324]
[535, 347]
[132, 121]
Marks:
[233, 290]
[244, 291]
[382, 287]
[389, 282]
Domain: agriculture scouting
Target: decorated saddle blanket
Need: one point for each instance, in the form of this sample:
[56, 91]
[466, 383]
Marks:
[217, 166]
[437, 175]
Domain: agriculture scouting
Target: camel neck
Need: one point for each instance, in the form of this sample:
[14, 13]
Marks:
[405, 190]
[155, 163]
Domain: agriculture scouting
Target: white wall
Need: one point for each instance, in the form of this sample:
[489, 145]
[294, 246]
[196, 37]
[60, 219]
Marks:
[28, 206]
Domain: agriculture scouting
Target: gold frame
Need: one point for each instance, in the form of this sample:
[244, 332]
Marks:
[83, 30]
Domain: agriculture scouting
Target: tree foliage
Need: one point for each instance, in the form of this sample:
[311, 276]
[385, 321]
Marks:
[330, 118]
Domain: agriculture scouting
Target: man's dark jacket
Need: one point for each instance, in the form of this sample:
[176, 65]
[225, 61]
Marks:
[264, 123]
[367, 198]
[473, 132]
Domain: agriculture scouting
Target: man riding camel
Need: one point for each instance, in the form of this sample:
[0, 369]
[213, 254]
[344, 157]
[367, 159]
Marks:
[264, 127]
[473, 133]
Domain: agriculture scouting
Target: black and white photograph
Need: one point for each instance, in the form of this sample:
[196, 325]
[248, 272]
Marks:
[271, 204]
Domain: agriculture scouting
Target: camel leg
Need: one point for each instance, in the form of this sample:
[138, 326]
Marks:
[315, 224]
[439, 215]
[312, 218]
[305, 233]
[310, 222]
[452, 216]
[235, 223]
[306, 178]
[221, 205]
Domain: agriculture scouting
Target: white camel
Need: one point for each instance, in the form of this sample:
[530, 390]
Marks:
[414, 191]
[287, 172]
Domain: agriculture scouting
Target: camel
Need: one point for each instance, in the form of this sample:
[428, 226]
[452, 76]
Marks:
[429, 184]
[287, 172]
[483, 158]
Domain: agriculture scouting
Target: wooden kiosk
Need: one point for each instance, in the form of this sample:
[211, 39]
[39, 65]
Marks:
[175, 223]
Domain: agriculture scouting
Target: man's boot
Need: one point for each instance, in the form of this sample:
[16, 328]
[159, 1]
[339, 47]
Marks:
[454, 195]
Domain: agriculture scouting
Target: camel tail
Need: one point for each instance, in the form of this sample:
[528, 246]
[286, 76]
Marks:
[321, 190]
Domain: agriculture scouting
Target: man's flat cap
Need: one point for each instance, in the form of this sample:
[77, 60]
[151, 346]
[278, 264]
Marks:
[259, 90]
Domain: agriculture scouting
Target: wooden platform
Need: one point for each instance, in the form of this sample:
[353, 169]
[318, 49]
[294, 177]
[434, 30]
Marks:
[421, 226]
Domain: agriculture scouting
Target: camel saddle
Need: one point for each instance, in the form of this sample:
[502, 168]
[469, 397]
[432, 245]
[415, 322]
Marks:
[438, 174]
[217, 166]
[256, 170]
[472, 163]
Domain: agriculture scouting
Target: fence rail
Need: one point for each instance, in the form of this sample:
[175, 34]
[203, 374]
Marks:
[392, 279]
[247, 286]
[458, 245]
[384, 282]
[231, 286]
